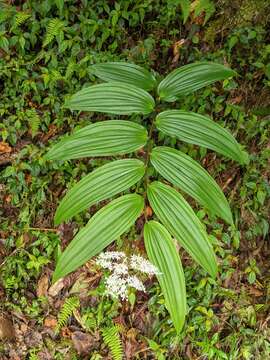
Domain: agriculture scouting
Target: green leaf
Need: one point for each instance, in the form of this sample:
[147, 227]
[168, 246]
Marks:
[105, 138]
[104, 227]
[179, 218]
[185, 7]
[102, 183]
[125, 73]
[162, 253]
[182, 171]
[190, 78]
[200, 130]
[112, 98]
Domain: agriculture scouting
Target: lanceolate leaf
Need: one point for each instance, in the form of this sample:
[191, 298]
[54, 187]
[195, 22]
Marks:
[190, 78]
[112, 98]
[104, 227]
[179, 218]
[162, 253]
[182, 171]
[103, 183]
[200, 130]
[185, 7]
[106, 138]
[126, 73]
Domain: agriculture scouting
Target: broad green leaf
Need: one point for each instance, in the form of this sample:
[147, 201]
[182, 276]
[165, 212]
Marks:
[179, 218]
[182, 171]
[126, 73]
[102, 183]
[190, 78]
[200, 130]
[185, 7]
[162, 253]
[105, 138]
[103, 228]
[112, 98]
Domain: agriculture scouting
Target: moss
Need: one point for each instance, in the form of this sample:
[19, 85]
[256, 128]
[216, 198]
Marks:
[240, 13]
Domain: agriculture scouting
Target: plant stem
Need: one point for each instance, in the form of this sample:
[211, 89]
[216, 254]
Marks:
[147, 159]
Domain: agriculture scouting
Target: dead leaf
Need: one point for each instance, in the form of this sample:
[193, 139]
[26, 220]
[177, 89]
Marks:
[81, 285]
[83, 343]
[50, 322]
[149, 212]
[7, 198]
[255, 292]
[23, 328]
[6, 328]
[13, 355]
[56, 287]
[42, 287]
[51, 132]
[176, 50]
[131, 345]
[28, 178]
[78, 317]
[33, 339]
[45, 355]
[65, 332]
[236, 100]
[5, 148]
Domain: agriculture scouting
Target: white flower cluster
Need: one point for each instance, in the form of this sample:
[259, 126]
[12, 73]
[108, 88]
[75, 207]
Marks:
[121, 268]
[143, 265]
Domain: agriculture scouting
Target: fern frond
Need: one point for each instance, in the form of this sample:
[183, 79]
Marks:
[6, 11]
[21, 18]
[70, 69]
[69, 306]
[10, 284]
[89, 322]
[55, 76]
[112, 339]
[53, 29]
[33, 356]
[33, 121]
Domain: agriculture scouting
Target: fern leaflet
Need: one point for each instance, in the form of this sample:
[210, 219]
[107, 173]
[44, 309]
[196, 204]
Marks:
[21, 18]
[69, 306]
[55, 26]
[112, 339]
[33, 121]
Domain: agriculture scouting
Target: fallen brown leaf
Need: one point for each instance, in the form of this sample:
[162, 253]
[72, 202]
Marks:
[33, 339]
[5, 148]
[236, 100]
[83, 343]
[50, 322]
[23, 328]
[149, 211]
[42, 286]
[51, 132]
[56, 288]
[6, 328]
[45, 355]
[255, 292]
[65, 332]
[176, 50]
[131, 344]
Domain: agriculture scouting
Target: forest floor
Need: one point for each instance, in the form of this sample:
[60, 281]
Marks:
[46, 49]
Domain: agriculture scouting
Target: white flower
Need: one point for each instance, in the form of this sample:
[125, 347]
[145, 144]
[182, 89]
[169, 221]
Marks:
[105, 264]
[133, 281]
[120, 280]
[116, 286]
[143, 265]
[121, 268]
[107, 259]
